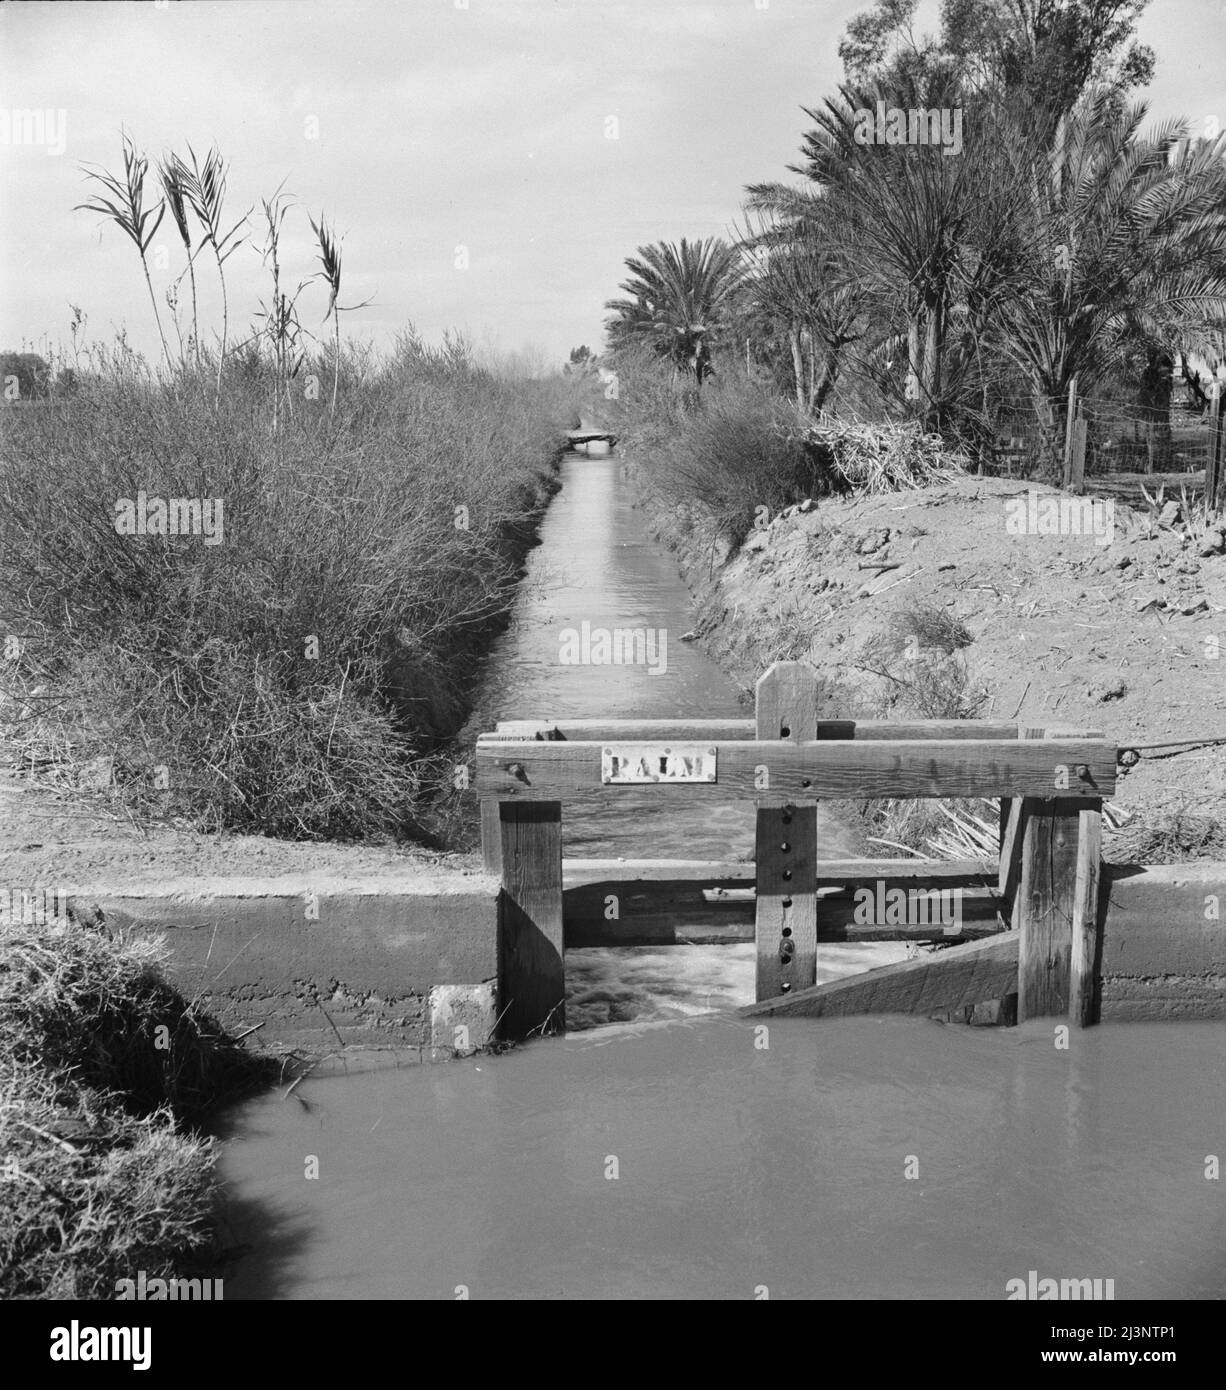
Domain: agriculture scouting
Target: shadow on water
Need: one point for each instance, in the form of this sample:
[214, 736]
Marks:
[261, 1240]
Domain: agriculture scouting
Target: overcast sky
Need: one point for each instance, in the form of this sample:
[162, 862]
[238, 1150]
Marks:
[439, 127]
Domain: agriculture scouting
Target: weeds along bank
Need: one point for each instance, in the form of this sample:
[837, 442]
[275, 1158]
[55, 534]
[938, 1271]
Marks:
[256, 612]
[107, 1078]
[919, 591]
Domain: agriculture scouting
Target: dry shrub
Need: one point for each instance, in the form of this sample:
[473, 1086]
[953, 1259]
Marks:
[740, 450]
[296, 679]
[917, 657]
[884, 457]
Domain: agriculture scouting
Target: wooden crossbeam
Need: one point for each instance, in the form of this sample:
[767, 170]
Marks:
[779, 772]
[683, 912]
[843, 872]
[611, 902]
[591, 730]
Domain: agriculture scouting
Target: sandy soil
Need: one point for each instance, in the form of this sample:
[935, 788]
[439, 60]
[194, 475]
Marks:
[54, 837]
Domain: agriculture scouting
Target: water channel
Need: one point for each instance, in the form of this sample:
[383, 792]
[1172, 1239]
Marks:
[663, 1153]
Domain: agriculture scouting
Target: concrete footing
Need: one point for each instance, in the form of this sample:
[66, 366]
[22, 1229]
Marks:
[395, 963]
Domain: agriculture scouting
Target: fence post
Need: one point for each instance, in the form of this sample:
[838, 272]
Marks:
[785, 849]
[1213, 463]
[1069, 419]
[531, 975]
[1077, 480]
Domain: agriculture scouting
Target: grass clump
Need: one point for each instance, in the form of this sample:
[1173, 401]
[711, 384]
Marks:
[1174, 836]
[918, 659]
[104, 1072]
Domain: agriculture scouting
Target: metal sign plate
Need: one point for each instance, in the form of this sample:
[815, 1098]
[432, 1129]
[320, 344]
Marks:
[627, 763]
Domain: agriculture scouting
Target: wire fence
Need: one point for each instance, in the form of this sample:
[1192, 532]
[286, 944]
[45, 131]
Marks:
[1120, 437]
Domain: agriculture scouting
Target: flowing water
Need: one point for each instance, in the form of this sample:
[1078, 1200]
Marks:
[684, 1156]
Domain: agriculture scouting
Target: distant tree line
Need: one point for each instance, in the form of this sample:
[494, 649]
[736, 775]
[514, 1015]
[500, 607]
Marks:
[910, 277]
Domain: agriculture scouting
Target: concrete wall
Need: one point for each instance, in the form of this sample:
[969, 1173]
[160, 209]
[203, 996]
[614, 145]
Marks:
[399, 962]
[409, 962]
[1164, 943]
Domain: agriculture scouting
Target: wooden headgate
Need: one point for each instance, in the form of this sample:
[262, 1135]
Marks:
[1030, 925]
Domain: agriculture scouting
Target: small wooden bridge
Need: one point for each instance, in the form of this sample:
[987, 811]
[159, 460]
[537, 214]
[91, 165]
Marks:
[589, 436]
[1028, 927]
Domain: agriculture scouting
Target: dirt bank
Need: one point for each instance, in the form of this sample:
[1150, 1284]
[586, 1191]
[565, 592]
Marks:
[1123, 630]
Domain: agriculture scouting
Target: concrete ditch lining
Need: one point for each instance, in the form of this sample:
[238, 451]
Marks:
[408, 962]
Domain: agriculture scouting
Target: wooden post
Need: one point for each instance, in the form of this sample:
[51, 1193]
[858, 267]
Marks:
[1069, 420]
[531, 976]
[1213, 462]
[1013, 811]
[491, 835]
[785, 919]
[1046, 907]
[1077, 480]
[1087, 943]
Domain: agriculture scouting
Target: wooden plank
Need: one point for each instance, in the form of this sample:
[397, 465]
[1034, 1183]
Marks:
[722, 730]
[628, 730]
[850, 872]
[797, 773]
[675, 914]
[1087, 940]
[531, 978]
[675, 902]
[931, 984]
[705, 871]
[785, 843]
[491, 835]
[1013, 812]
[1044, 909]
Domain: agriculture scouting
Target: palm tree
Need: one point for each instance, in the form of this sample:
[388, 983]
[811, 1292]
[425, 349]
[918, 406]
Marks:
[1125, 246]
[920, 233]
[799, 284]
[678, 298]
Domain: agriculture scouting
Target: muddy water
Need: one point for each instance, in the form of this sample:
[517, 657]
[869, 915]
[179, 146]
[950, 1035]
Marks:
[696, 1157]
[596, 565]
[680, 1160]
